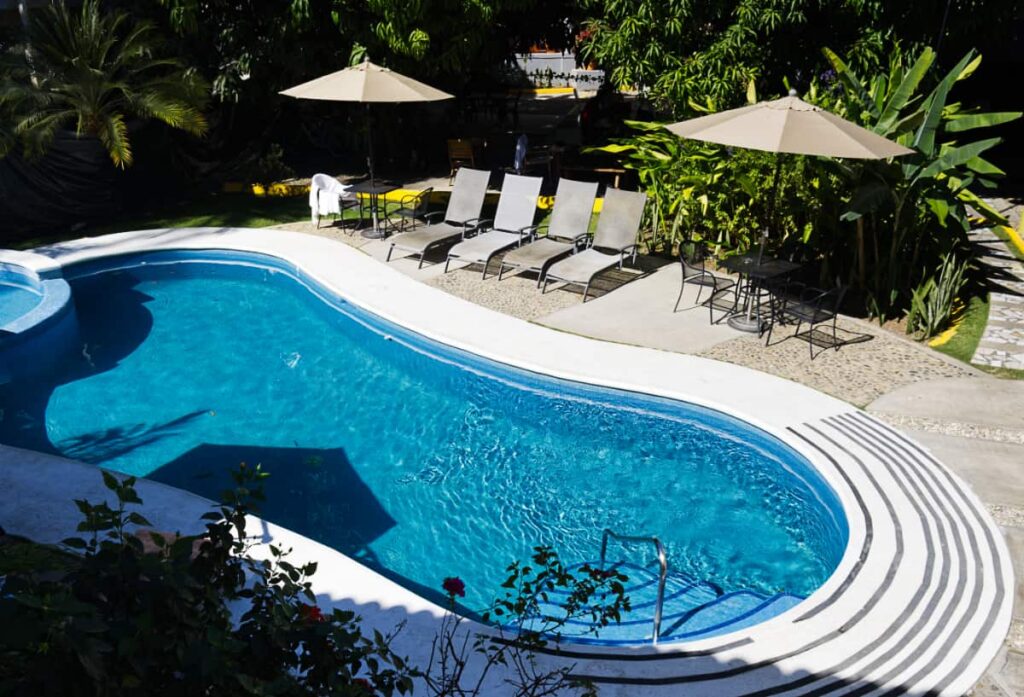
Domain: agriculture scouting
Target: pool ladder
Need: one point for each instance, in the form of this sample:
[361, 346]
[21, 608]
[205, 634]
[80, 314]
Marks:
[662, 564]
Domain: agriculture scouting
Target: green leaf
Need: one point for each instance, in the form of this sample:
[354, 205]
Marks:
[867, 198]
[940, 208]
[958, 124]
[969, 69]
[110, 481]
[955, 157]
[925, 138]
[851, 82]
[983, 166]
[908, 85]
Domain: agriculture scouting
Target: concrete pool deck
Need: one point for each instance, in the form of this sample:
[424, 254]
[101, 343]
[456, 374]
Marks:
[920, 602]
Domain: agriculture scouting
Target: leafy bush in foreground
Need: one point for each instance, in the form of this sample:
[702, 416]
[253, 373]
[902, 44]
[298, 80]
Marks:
[141, 613]
[121, 619]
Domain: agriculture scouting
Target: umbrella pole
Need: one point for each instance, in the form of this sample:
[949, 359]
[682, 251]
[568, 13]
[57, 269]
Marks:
[772, 204]
[369, 164]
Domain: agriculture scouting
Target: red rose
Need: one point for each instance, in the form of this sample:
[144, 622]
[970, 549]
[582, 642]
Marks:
[454, 586]
[364, 683]
[311, 613]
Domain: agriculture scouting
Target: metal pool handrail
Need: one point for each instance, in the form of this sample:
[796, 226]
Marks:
[662, 563]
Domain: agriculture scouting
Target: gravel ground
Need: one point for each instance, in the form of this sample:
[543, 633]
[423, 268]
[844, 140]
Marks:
[335, 232]
[858, 373]
[952, 428]
[515, 295]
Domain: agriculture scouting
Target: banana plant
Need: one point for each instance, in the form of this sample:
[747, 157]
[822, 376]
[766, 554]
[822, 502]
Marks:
[676, 175]
[918, 202]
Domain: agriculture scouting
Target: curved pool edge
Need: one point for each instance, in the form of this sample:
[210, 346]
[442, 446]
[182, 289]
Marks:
[912, 604]
[21, 341]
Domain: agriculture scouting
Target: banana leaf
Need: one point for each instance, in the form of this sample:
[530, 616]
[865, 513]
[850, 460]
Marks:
[903, 94]
[956, 156]
[958, 124]
[925, 139]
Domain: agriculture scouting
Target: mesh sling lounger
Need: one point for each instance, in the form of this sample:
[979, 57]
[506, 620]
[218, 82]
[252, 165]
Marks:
[461, 218]
[617, 230]
[513, 222]
[570, 223]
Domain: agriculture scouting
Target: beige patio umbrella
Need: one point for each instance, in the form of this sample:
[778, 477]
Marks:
[367, 83]
[788, 125]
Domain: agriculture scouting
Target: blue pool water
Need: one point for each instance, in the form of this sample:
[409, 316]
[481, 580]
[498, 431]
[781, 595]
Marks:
[15, 301]
[419, 460]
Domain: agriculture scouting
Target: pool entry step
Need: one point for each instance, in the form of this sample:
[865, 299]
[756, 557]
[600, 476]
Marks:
[691, 609]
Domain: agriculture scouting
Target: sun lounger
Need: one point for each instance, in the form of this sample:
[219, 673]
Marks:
[513, 223]
[570, 223]
[614, 239]
[460, 219]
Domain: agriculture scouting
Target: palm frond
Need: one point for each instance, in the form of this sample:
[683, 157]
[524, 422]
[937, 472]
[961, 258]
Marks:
[92, 71]
[113, 133]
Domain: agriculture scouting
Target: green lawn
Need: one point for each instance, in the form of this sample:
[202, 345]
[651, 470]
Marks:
[215, 210]
[969, 331]
[968, 334]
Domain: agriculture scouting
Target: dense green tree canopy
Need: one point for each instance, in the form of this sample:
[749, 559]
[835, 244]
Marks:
[679, 51]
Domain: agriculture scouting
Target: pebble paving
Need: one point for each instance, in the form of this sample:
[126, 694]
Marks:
[1002, 344]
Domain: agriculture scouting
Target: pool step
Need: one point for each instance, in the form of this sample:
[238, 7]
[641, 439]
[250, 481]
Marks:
[692, 610]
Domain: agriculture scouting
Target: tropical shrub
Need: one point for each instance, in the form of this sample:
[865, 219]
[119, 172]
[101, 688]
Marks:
[933, 302]
[723, 196]
[195, 615]
[911, 211]
[525, 625]
[118, 611]
[93, 72]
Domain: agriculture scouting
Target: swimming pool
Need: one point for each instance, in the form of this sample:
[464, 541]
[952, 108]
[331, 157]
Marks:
[417, 459]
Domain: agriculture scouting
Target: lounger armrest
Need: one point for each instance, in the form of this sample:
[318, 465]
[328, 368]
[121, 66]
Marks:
[628, 250]
[434, 217]
[473, 225]
[527, 233]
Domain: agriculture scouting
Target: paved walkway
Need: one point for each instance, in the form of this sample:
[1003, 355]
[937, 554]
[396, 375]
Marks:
[1002, 344]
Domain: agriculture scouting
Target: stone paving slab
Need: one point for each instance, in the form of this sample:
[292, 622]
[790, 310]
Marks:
[1002, 343]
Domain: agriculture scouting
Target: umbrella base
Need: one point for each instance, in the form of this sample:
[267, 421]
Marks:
[373, 233]
[744, 323]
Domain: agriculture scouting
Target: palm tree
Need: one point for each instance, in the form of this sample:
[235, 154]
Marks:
[94, 71]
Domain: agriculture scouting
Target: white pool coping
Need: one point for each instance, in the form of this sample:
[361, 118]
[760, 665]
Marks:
[920, 602]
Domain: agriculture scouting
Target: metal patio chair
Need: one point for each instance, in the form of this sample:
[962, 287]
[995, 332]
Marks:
[811, 306]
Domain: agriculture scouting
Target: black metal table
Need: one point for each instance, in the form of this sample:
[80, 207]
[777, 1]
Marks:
[754, 270]
[374, 190]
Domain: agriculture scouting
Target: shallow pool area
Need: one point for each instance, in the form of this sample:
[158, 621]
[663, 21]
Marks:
[20, 293]
[418, 460]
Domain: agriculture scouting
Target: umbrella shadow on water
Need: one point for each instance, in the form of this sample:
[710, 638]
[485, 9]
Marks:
[314, 491]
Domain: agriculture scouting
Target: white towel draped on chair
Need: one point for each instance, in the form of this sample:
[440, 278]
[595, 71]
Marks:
[326, 195]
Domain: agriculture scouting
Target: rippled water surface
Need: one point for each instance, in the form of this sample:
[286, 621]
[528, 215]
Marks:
[420, 461]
